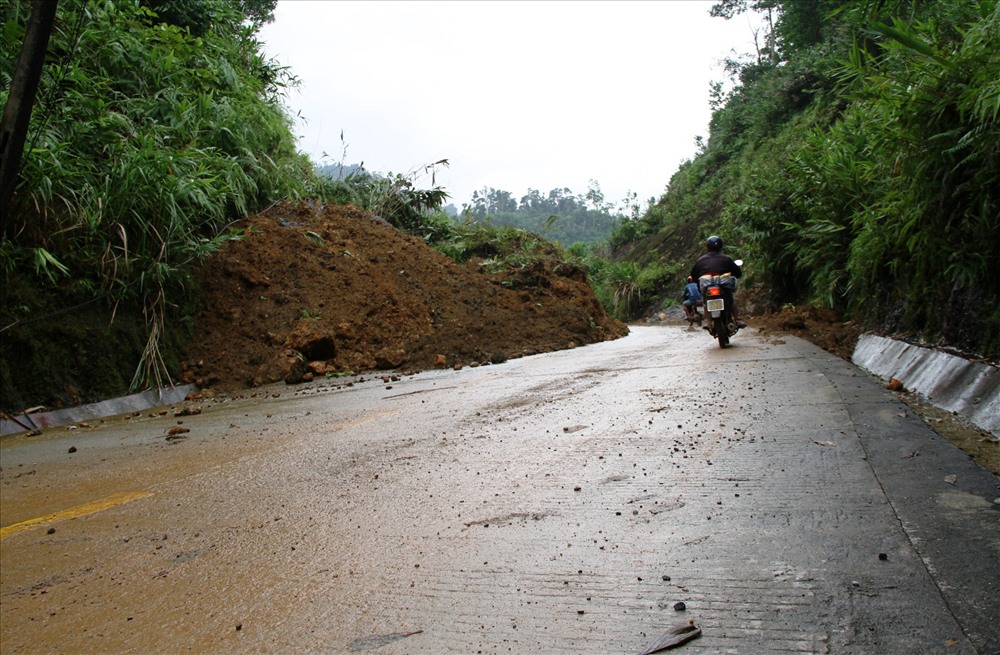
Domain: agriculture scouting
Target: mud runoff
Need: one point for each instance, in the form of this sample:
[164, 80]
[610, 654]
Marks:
[315, 292]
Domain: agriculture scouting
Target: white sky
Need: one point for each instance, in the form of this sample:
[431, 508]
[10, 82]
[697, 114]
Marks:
[515, 94]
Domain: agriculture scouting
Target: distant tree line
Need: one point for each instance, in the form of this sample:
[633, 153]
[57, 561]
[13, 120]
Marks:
[558, 215]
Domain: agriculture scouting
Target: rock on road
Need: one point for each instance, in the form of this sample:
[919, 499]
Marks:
[559, 503]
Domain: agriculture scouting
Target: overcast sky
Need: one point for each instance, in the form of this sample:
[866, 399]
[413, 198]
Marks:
[517, 95]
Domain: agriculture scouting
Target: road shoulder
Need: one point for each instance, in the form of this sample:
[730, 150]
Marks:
[942, 498]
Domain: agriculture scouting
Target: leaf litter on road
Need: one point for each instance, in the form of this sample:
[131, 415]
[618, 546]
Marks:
[672, 638]
[372, 642]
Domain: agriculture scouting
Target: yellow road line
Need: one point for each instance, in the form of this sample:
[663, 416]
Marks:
[73, 512]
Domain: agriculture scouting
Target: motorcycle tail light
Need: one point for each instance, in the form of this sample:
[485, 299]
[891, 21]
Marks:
[714, 291]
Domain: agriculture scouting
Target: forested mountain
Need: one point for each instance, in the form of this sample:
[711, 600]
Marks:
[558, 216]
[855, 164]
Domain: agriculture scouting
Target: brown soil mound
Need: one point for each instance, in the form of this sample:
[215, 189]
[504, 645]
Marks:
[314, 291]
[822, 327]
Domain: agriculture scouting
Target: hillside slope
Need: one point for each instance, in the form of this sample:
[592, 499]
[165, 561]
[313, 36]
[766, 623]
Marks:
[853, 165]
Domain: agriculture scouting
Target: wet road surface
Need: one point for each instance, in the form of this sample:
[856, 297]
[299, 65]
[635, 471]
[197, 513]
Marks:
[561, 503]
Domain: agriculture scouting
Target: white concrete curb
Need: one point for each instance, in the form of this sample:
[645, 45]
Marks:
[112, 407]
[952, 383]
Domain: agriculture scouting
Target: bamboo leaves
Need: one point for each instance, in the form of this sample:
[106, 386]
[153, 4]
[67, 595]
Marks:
[888, 199]
[47, 264]
[146, 143]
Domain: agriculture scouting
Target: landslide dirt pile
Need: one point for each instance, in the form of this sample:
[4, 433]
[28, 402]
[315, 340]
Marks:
[822, 327]
[314, 291]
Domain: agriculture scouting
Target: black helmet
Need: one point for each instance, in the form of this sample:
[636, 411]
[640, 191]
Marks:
[714, 244]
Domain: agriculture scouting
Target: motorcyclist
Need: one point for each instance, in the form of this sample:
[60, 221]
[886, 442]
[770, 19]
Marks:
[691, 300]
[714, 262]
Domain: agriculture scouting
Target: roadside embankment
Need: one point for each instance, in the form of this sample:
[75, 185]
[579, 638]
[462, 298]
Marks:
[952, 383]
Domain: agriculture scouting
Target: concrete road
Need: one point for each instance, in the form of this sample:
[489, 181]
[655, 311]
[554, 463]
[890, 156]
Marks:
[562, 503]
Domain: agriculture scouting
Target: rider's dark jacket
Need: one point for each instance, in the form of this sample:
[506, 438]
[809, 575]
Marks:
[715, 263]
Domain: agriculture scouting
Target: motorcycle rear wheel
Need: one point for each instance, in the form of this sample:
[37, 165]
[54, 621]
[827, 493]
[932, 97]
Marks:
[722, 332]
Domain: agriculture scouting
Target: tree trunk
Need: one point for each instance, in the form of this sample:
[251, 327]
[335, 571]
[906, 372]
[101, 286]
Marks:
[771, 44]
[17, 111]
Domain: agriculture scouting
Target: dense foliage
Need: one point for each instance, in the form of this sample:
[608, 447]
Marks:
[150, 134]
[856, 163]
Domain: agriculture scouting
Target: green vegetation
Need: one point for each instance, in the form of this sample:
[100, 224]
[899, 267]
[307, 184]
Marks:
[150, 134]
[396, 197]
[854, 164]
[510, 251]
[625, 287]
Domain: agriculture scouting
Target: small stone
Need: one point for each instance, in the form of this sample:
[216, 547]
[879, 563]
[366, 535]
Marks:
[680, 606]
[50, 531]
[883, 557]
[72, 449]
[666, 578]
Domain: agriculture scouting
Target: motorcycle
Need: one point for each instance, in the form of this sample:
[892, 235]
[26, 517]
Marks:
[697, 314]
[717, 294]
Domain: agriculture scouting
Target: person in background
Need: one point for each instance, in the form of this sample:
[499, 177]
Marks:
[691, 301]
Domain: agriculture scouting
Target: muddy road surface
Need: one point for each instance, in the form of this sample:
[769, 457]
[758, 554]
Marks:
[583, 501]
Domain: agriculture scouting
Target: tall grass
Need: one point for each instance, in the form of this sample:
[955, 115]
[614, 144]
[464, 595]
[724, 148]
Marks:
[145, 144]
